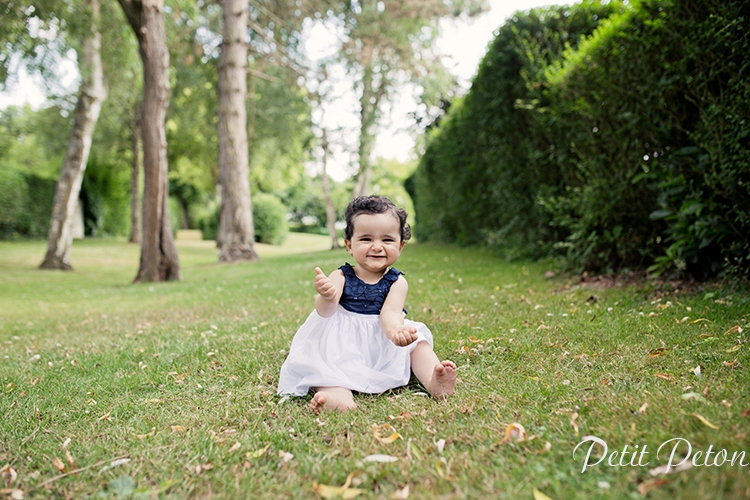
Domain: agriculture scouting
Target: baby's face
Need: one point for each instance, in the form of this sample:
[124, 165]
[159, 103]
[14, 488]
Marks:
[376, 242]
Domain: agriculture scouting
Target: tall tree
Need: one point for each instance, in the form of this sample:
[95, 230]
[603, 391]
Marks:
[93, 92]
[135, 176]
[159, 260]
[236, 212]
[385, 41]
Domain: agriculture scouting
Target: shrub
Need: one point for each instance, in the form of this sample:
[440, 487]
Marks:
[269, 219]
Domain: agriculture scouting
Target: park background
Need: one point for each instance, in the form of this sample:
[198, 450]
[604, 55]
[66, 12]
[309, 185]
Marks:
[580, 213]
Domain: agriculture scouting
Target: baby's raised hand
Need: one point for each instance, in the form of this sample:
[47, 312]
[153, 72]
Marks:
[323, 285]
[403, 335]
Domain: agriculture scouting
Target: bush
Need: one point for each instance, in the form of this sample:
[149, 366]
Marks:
[12, 201]
[25, 204]
[269, 219]
[479, 178]
[620, 143]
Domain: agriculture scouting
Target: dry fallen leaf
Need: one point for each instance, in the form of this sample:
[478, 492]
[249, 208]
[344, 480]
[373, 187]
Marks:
[705, 421]
[380, 458]
[515, 433]
[440, 445]
[734, 329]
[8, 474]
[651, 484]
[538, 495]
[236, 446]
[58, 464]
[178, 428]
[379, 430]
[401, 494]
[668, 469]
[200, 468]
[573, 418]
[69, 459]
[666, 376]
[12, 493]
[343, 491]
[285, 456]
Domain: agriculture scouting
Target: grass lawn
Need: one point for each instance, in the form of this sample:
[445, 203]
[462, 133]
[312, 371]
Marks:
[167, 390]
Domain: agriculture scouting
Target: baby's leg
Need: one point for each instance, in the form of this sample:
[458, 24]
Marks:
[332, 398]
[438, 377]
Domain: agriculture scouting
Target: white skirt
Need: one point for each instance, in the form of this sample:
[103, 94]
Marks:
[347, 350]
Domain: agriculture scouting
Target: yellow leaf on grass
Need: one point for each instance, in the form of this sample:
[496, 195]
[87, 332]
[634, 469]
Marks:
[705, 421]
[379, 432]
[258, 453]
[538, 495]
[178, 428]
[327, 491]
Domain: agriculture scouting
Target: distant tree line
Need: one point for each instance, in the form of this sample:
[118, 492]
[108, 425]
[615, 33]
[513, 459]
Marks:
[613, 134]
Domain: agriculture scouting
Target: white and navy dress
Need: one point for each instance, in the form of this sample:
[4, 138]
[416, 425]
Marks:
[350, 349]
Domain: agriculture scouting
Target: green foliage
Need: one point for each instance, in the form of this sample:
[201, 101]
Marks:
[666, 159]
[12, 200]
[478, 179]
[25, 204]
[105, 193]
[623, 149]
[269, 219]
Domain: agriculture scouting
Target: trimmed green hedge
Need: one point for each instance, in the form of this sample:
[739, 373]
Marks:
[620, 150]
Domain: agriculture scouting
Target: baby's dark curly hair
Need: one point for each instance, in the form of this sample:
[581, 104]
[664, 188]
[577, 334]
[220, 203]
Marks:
[375, 204]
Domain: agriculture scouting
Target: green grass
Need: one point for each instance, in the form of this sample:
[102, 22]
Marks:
[180, 379]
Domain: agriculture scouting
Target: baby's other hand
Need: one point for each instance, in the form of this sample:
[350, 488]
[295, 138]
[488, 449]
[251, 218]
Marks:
[403, 335]
[323, 285]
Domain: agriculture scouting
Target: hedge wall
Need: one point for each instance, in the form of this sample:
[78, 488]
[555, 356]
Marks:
[624, 149]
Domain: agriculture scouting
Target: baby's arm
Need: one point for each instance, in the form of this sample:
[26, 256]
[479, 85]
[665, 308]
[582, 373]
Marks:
[392, 315]
[329, 290]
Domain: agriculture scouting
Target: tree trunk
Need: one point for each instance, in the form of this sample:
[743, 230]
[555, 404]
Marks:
[135, 182]
[330, 210]
[369, 102]
[159, 260]
[237, 217]
[93, 93]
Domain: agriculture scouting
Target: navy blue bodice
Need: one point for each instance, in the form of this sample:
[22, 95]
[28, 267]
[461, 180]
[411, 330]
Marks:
[364, 298]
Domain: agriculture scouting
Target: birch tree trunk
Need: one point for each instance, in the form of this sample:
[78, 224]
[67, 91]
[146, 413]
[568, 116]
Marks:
[135, 183]
[330, 210]
[93, 93]
[238, 235]
[159, 260]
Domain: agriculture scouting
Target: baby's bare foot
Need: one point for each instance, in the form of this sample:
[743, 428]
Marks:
[443, 379]
[332, 398]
